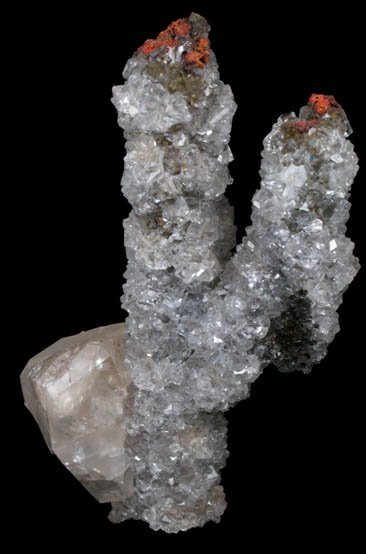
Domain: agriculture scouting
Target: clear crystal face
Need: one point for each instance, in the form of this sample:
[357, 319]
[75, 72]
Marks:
[76, 390]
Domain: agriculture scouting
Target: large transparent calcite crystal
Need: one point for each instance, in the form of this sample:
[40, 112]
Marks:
[136, 412]
[76, 390]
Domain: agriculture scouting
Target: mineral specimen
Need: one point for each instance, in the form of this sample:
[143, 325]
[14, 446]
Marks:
[135, 412]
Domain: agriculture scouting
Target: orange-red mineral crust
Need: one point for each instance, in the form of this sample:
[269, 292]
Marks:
[305, 125]
[199, 56]
[322, 103]
[198, 49]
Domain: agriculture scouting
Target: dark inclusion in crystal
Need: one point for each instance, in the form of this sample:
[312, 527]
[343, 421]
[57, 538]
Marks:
[289, 339]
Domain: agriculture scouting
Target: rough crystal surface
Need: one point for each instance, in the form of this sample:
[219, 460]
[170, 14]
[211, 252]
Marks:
[202, 322]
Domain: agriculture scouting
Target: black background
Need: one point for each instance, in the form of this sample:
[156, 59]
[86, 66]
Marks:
[292, 477]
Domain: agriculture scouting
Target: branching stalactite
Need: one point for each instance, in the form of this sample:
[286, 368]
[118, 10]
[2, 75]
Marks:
[202, 324]
[136, 410]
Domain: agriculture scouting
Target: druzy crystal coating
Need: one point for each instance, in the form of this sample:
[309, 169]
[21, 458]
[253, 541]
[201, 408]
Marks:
[135, 410]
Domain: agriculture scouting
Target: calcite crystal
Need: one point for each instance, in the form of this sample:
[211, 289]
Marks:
[76, 390]
[136, 411]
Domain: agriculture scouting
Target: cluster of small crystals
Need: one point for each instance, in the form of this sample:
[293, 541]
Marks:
[202, 323]
[276, 301]
[176, 115]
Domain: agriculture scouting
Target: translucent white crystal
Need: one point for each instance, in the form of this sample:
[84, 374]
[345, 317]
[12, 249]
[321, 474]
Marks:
[76, 389]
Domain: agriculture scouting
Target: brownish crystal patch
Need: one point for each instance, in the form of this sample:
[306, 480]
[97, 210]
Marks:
[303, 125]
